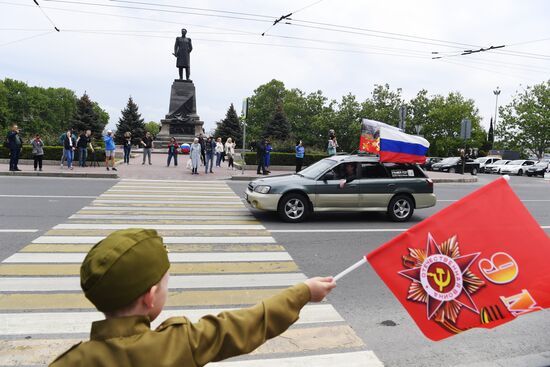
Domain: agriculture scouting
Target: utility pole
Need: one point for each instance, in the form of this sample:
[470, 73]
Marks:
[496, 92]
[244, 112]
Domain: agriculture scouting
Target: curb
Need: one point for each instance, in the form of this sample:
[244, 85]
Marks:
[61, 174]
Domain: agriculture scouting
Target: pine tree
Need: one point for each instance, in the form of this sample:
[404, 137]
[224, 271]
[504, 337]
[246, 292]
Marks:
[130, 121]
[86, 117]
[278, 128]
[491, 135]
[229, 127]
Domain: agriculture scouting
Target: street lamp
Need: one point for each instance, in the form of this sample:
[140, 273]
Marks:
[496, 92]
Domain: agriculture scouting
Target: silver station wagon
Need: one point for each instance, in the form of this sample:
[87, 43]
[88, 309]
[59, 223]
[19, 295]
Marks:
[345, 183]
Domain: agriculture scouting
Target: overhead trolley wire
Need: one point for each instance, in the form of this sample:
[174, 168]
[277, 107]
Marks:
[287, 16]
[157, 10]
[46, 15]
[128, 17]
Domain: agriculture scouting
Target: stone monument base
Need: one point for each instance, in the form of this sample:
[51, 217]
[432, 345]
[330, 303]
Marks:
[182, 122]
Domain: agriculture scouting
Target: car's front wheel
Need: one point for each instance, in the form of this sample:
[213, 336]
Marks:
[293, 208]
[474, 171]
[401, 208]
[452, 170]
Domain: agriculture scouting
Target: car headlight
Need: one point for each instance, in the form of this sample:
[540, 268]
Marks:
[262, 189]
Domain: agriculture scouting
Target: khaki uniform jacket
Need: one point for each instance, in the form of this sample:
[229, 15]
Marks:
[129, 341]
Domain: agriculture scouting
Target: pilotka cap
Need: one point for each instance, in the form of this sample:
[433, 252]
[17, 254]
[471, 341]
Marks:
[122, 267]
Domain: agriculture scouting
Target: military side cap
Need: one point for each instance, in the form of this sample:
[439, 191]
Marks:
[122, 267]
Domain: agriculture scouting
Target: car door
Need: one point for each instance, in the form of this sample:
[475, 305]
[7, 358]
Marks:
[328, 193]
[375, 186]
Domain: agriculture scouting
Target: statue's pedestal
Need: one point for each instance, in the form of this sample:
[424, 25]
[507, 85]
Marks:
[182, 121]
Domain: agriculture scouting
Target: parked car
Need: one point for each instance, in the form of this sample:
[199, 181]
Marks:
[483, 161]
[430, 161]
[538, 168]
[345, 183]
[454, 165]
[495, 167]
[517, 167]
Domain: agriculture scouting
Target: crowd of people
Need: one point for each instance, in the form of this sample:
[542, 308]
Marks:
[204, 151]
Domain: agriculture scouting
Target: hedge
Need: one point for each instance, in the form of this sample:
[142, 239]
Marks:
[283, 159]
[51, 153]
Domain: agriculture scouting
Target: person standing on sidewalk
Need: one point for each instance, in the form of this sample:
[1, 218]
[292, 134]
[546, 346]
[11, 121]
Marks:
[15, 144]
[147, 143]
[267, 158]
[69, 146]
[110, 148]
[300, 152]
[62, 138]
[260, 157]
[202, 142]
[172, 152]
[230, 153]
[219, 152]
[127, 146]
[209, 148]
[82, 143]
[37, 151]
[195, 156]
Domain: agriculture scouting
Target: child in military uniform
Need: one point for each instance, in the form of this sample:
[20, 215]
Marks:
[126, 276]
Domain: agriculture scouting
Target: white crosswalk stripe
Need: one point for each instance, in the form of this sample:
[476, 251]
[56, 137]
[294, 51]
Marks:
[222, 258]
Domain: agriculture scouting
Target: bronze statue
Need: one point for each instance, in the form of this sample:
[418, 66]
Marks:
[182, 50]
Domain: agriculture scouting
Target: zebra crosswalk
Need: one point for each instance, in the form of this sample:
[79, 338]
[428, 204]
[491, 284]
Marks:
[221, 258]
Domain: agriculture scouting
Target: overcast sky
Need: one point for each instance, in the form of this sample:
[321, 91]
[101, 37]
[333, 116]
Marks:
[112, 52]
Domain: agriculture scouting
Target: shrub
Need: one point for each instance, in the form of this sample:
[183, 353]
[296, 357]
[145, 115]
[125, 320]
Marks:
[284, 159]
[51, 153]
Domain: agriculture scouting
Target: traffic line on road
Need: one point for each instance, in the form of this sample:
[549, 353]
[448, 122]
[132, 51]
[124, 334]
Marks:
[343, 230]
[219, 247]
[162, 210]
[52, 301]
[68, 284]
[174, 201]
[18, 230]
[228, 198]
[349, 359]
[77, 258]
[37, 323]
[49, 196]
[49, 269]
[161, 226]
[182, 240]
[234, 218]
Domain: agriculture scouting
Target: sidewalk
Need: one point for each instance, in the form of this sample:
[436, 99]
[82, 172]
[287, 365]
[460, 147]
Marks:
[158, 170]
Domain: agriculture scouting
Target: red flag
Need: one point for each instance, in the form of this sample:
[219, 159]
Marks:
[480, 262]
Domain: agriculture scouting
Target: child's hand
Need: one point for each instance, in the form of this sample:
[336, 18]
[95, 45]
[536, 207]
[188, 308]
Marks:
[320, 287]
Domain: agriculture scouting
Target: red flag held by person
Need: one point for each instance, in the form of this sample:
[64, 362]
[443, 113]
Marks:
[480, 262]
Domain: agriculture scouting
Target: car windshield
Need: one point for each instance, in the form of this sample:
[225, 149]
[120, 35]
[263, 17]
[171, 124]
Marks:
[450, 160]
[481, 160]
[501, 162]
[317, 168]
[518, 162]
[542, 164]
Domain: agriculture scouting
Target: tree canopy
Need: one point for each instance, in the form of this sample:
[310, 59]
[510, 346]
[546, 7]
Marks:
[130, 121]
[312, 115]
[230, 127]
[525, 122]
[46, 111]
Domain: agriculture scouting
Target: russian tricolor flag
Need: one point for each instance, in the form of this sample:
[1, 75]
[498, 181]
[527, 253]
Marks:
[393, 144]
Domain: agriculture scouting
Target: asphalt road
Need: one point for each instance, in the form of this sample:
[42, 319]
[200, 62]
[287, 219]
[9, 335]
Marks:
[330, 246]
[374, 313]
[32, 203]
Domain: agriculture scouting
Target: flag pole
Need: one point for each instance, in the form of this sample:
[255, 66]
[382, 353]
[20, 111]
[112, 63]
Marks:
[350, 269]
